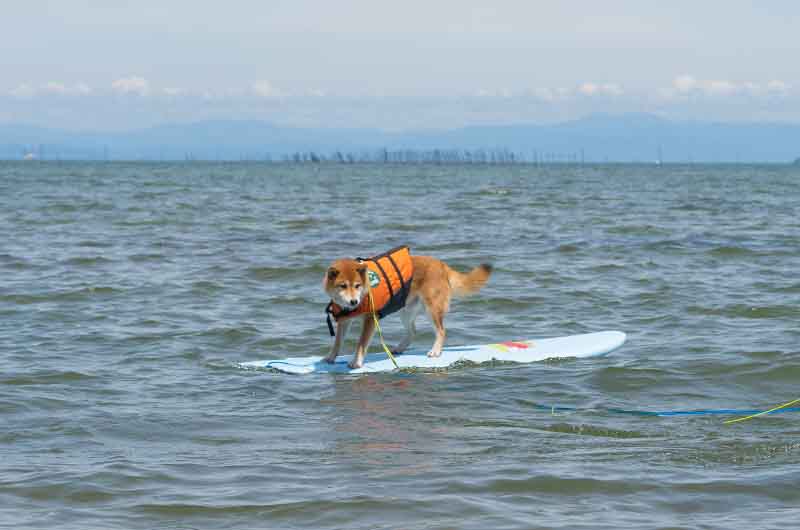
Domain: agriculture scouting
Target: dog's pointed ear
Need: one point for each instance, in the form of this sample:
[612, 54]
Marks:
[362, 271]
[332, 273]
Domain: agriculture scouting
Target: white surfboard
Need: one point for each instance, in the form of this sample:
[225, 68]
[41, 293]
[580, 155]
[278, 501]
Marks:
[526, 351]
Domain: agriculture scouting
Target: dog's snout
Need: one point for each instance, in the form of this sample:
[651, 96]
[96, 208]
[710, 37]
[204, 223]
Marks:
[353, 302]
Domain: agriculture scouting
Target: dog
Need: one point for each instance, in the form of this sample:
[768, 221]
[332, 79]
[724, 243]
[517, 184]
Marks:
[432, 285]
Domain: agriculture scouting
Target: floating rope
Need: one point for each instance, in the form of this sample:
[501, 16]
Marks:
[378, 326]
[784, 407]
[751, 413]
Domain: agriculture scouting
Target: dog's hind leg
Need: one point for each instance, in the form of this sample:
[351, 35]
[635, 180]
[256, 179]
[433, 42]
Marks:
[409, 315]
[437, 317]
[437, 309]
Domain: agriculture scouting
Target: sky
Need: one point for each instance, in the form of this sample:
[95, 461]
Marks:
[115, 65]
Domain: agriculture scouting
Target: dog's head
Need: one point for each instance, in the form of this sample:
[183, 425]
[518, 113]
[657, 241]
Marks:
[346, 282]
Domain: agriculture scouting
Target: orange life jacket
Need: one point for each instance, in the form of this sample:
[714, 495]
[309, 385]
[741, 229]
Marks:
[389, 276]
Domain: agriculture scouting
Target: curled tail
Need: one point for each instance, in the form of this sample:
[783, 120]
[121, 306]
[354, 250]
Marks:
[466, 284]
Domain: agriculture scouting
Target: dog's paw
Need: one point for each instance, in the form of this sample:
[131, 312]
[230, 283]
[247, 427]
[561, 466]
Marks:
[355, 365]
[435, 353]
[330, 359]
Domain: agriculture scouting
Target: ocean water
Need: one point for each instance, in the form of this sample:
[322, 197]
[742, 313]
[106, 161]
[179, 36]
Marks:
[130, 291]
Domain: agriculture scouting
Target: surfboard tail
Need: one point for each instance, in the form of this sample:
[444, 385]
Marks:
[466, 284]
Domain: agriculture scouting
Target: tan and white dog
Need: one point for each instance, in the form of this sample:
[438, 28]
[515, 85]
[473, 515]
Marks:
[433, 284]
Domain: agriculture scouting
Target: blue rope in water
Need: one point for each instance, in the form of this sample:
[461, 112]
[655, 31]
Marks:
[665, 413]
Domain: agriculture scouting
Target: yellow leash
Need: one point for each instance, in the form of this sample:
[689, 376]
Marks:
[737, 420]
[378, 326]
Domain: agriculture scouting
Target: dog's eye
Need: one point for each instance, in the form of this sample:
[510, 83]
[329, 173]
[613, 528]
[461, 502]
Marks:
[342, 286]
[357, 286]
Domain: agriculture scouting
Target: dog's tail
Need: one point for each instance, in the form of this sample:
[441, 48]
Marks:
[466, 284]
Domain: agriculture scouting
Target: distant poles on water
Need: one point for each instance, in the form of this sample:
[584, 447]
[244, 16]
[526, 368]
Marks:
[384, 155]
[437, 156]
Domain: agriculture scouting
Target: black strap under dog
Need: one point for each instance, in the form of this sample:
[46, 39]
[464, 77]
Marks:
[328, 311]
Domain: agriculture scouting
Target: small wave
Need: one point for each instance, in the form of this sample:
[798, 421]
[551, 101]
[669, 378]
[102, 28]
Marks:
[606, 267]
[568, 248]
[691, 207]
[91, 243]
[60, 296]
[143, 258]
[637, 230]
[747, 311]
[615, 378]
[793, 288]
[491, 191]
[727, 251]
[232, 334]
[45, 378]
[215, 440]
[664, 245]
[87, 261]
[159, 221]
[769, 355]
[67, 491]
[150, 195]
[84, 207]
[777, 372]
[304, 223]
[500, 304]
[344, 507]
[291, 300]
[742, 453]
[592, 430]
[407, 227]
[455, 245]
[206, 287]
[283, 273]
[546, 484]
[8, 261]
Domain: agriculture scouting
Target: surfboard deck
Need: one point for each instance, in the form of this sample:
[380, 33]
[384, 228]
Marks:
[526, 351]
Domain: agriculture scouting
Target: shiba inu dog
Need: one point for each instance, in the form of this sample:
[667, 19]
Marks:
[410, 283]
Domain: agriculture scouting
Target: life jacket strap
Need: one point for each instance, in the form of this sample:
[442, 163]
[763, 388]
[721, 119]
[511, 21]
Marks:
[328, 311]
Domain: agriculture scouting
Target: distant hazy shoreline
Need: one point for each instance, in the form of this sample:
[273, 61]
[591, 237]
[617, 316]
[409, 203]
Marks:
[634, 138]
[146, 162]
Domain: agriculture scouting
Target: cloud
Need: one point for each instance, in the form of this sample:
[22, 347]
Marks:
[496, 93]
[778, 86]
[131, 85]
[552, 95]
[51, 88]
[720, 87]
[82, 89]
[686, 85]
[265, 89]
[57, 88]
[606, 89]
[23, 91]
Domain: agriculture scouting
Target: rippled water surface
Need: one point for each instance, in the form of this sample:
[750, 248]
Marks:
[129, 293]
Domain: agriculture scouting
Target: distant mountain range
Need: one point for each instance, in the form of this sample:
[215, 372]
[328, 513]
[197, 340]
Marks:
[597, 138]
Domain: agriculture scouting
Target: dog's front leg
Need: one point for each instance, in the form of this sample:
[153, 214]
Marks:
[363, 342]
[342, 325]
